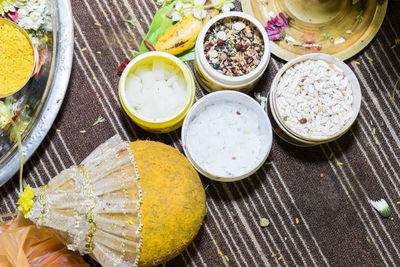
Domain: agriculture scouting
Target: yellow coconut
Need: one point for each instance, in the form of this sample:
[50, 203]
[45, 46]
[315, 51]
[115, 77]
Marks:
[126, 204]
[173, 204]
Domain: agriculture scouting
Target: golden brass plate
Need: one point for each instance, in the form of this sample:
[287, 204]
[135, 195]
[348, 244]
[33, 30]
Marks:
[341, 28]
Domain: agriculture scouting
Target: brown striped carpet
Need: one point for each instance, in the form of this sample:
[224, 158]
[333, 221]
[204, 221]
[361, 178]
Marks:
[335, 218]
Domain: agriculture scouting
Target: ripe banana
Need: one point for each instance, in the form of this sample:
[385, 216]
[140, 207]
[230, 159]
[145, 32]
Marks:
[182, 36]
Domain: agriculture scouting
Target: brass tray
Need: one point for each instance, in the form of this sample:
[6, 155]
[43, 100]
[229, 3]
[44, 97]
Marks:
[341, 28]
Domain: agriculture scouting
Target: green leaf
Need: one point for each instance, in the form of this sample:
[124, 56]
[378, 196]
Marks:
[355, 2]
[359, 17]
[131, 21]
[160, 24]
[99, 120]
[385, 212]
[381, 2]
[188, 55]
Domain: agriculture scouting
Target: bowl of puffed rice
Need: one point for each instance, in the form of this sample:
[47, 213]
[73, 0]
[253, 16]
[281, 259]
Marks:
[315, 98]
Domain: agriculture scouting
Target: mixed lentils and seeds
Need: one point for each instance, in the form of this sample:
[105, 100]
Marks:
[233, 47]
[314, 98]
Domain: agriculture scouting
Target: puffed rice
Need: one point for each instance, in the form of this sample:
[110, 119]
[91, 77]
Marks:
[34, 14]
[314, 99]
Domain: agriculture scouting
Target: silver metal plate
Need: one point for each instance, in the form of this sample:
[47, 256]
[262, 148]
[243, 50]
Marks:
[45, 95]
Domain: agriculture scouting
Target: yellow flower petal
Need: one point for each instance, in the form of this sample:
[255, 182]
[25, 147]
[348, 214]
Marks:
[25, 201]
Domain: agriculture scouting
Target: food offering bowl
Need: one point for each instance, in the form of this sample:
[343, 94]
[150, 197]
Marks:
[149, 124]
[291, 133]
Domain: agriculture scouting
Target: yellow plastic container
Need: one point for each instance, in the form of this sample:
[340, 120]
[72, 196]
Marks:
[149, 124]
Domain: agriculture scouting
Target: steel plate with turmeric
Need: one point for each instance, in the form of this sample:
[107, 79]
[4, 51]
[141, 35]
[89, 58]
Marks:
[16, 57]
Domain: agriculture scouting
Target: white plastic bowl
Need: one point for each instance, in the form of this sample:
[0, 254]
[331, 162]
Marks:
[238, 97]
[355, 105]
[212, 80]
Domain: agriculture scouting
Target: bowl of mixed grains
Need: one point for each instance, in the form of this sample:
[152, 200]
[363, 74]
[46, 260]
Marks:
[17, 57]
[232, 52]
[315, 98]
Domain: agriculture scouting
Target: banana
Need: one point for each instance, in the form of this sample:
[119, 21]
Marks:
[182, 36]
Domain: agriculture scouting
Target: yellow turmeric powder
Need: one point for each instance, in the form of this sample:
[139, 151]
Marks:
[16, 57]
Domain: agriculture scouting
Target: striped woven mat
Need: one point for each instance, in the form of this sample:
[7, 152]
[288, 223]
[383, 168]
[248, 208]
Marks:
[314, 220]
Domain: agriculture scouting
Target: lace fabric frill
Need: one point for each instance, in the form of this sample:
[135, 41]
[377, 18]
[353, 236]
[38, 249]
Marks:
[94, 207]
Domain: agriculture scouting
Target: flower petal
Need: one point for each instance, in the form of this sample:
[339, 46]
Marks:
[199, 2]
[276, 26]
[199, 13]
[176, 16]
[227, 7]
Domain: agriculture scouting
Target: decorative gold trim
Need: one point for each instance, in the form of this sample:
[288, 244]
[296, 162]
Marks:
[89, 215]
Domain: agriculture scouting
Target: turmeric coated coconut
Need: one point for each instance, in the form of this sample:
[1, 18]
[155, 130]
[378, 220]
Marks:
[173, 201]
[123, 209]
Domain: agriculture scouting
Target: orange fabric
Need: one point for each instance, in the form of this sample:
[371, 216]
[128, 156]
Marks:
[24, 245]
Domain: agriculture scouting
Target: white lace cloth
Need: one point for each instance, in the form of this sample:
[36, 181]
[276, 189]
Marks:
[94, 207]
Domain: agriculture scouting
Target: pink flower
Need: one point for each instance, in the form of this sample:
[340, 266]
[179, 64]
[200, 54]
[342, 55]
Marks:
[14, 15]
[276, 27]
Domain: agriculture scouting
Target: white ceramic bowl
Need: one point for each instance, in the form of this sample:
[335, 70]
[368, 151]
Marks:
[264, 125]
[212, 80]
[355, 105]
